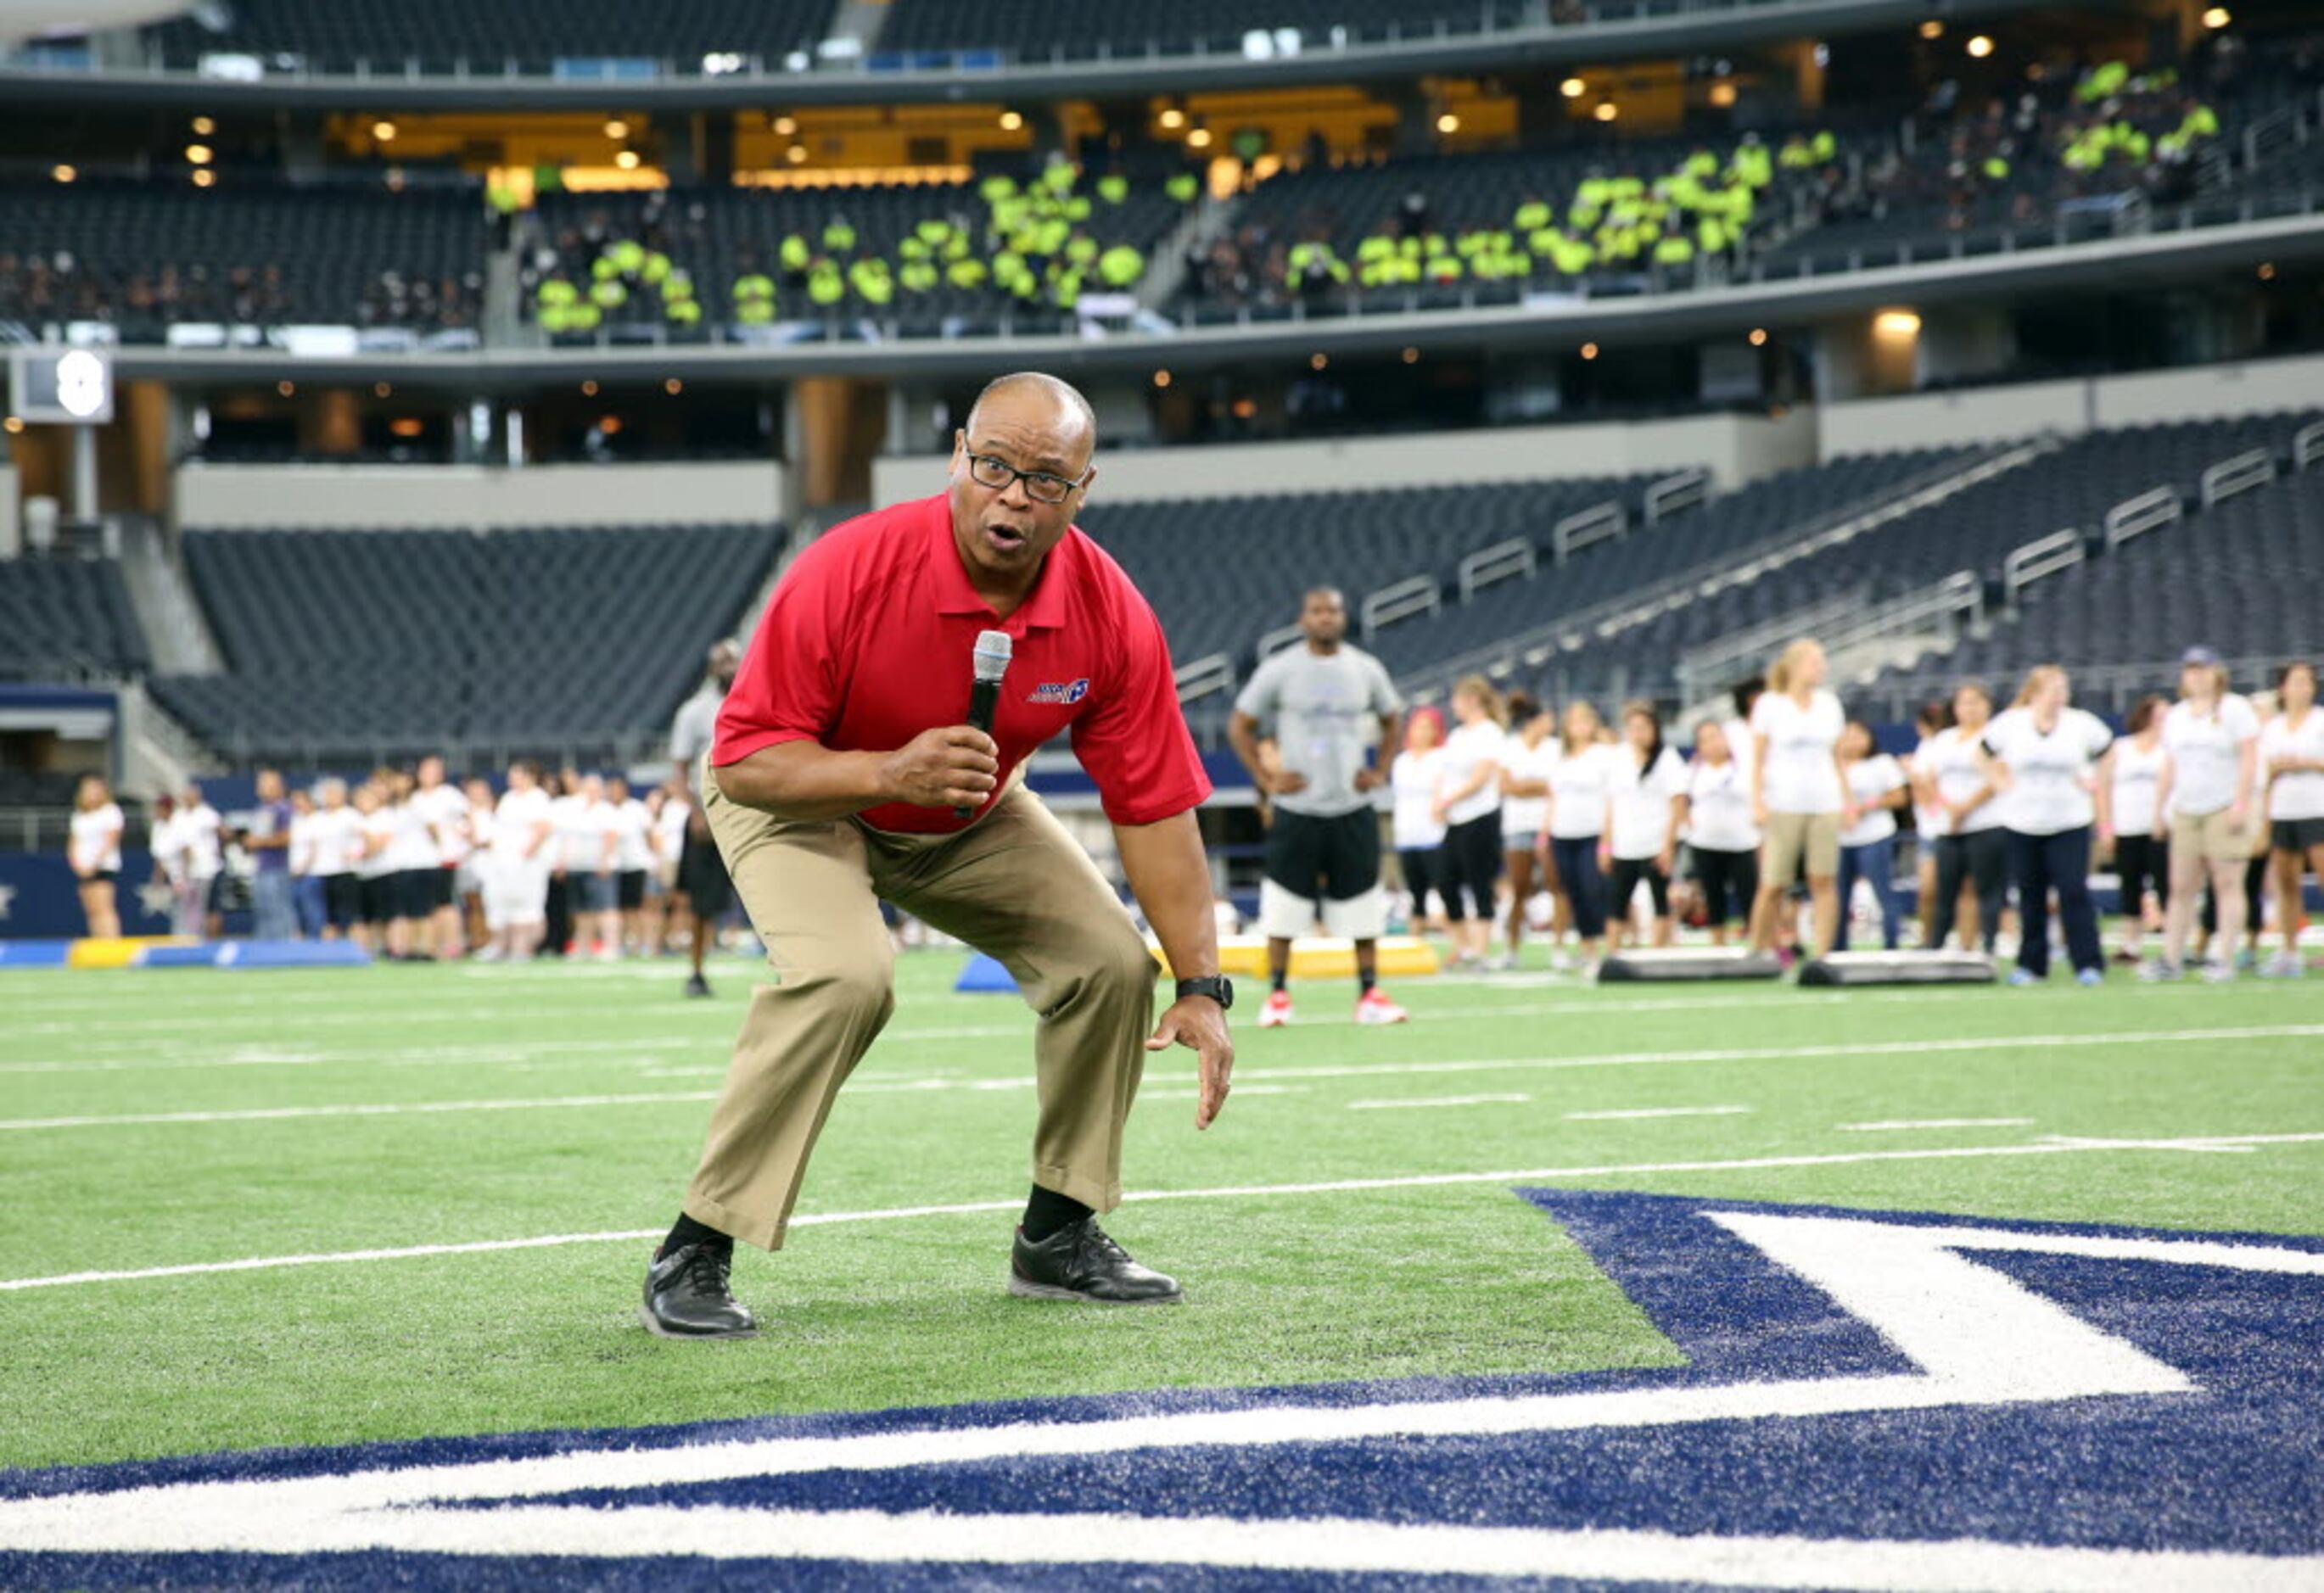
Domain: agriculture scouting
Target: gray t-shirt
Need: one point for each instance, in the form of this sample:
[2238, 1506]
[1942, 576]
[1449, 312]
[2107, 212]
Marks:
[695, 728]
[1324, 711]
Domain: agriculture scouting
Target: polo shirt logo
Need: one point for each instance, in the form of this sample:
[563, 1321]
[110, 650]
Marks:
[1060, 691]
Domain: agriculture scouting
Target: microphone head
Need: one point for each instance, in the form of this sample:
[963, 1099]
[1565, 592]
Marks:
[991, 656]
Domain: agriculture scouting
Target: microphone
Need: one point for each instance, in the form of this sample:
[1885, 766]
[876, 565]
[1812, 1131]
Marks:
[990, 662]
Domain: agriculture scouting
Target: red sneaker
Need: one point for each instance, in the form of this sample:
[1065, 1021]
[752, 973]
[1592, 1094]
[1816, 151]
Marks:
[1374, 1007]
[1277, 1010]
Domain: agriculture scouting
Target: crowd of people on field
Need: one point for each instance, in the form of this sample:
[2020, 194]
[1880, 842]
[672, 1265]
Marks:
[2211, 809]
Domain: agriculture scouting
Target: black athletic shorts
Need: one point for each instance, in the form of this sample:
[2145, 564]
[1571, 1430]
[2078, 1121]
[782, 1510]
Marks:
[415, 892]
[1468, 864]
[343, 905]
[1336, 857]
[378, 894]
[702, 876]
[631, 892]
[443, 888]
[1729, 880]
[2297, 834]
[1627, 872]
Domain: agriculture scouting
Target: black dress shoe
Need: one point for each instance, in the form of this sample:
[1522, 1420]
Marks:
[1079, 1262]
[697, 986]
[687, 1295]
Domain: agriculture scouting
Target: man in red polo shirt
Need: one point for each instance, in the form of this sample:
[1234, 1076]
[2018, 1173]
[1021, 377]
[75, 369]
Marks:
[840, 758]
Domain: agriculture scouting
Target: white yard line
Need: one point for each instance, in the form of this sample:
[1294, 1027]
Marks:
[1382, 1106]
[1898, 1125]
[1231, 1191]
[1627, 1113]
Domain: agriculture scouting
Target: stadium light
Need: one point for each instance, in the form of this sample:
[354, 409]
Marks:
[12, 426]
[2217, 17]
[62, 172]
[1933, 29]
[673, 387]
[1896, 323]
[589, 388]
[627, 160]
[1722, 96]
[1573, 88]
[203, 127]
[1199, 139]
[1318, 360]
[1759, 337]
[382, 390]
[1606, 111]
[1171, 119]
[198, 154]
[1981, 46]
[1011, 121]
[1411, 356]
[204, 178]
[1589, 351]
[615, 128]
[796, 154]
[383, 129]
[2267, 270]
[285, 389]
[784, 126]
[1448, 123]
[1161, 378]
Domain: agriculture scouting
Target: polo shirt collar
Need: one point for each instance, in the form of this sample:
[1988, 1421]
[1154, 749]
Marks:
[1043, 610]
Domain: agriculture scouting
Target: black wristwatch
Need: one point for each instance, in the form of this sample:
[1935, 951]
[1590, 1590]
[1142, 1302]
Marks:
[1217, 988]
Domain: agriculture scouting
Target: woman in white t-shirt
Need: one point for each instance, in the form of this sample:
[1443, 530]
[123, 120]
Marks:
[95, 854]
[1645, 801]
[2211, 767]
[2291, 759]
[633, 861]
[1972, 848]
[335, 836]
[670, 809]
[2043, 757]
[1469, 806]
[471, 881]
[524, 850]
[2127, 823]
[1877, 788]
[1928, 815]
[379, 930]
[1527, 758]
[1579, 785]
[1723, 843]
[1418, 832]
[1797, 794]
[306, 885]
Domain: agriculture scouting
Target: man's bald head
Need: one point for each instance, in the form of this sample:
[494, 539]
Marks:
[1038, 393]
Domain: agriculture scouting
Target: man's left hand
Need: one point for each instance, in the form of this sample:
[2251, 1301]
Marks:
[1368, 779]
[1200, 1023]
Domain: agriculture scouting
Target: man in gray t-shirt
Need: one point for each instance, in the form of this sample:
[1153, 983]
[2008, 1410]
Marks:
[701, 871]
[1326, 705]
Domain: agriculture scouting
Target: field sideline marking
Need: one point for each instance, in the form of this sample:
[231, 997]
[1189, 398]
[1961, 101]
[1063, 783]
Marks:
[1226, 1191]
[1268, 1076]
[1892, 1124]
[1626, 1114]
[1381, 1106]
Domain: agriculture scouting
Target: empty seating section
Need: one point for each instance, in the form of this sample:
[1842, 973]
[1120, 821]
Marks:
[2243, 577]
[1702, 540]
[146, 255]
[66, 616]
[1223, 572]
[1041, 30]
[335, 35]
[380, 640]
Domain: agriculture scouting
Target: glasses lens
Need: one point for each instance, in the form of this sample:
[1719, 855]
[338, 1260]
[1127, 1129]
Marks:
[1048, 489]
[990, 473]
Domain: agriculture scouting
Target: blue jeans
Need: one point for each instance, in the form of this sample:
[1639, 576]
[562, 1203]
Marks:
[1874, 863]
[307, 897]
[270, 906]
[1584, 887]
[2040, 865]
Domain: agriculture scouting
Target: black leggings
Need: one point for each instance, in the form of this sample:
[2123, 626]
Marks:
[1421, 870]
[2142, 862]
[1982, 857]
[1470, 862]
[1727, 876]
[1627, 872]
[2255, 898]
[1577, 871]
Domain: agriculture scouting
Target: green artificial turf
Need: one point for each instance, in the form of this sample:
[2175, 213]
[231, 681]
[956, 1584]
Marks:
[871, 1311]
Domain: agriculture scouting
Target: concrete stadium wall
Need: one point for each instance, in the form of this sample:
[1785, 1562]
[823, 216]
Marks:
[376, 497]
[1994, 414]
[1735, 449]
[12, 525]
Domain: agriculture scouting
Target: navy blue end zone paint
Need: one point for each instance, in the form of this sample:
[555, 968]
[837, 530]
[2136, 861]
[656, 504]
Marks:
[2234, 1466]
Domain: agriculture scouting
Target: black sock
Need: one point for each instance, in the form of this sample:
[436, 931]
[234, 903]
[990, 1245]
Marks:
[687, 1231]
[1048, 1211]
[1279, 980]
[1366, 978]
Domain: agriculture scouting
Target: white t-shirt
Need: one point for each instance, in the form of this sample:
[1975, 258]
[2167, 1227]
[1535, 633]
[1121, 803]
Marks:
[377, 828]
[1953, 761]
[1470, 747]
[1801, 775]
[446, 809]
[2204, 748]
[480, 826]
[2135, 771]
[1581, 782]
[334, 834]
[1741, 748]
[600, 822]
[413, 847]
[201, 846]
[1868, 780]
[301, 852]
[2300, 794]
[670, 830]
[1641, 798]
[1522, 817]
[1927, 816]
[634, 825]
[97, 839]
[1719, 806]
[514, 822]
[1413, 779]
[2050, 777]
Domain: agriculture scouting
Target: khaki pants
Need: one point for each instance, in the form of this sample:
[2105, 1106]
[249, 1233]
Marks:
[1015, 885]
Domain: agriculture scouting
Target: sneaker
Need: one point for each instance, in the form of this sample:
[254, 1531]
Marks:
[1079, 1262]
[1374, 1007]
[2218, 973]
[2090, 978]
[2162, 972]
[2022, 977]
[2284, 965]
[687, 1295]
[1499, 964]
[1277, 1010]
[2246, 960]
[697, 986]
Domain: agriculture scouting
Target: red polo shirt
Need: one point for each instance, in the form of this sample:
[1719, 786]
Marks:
[866, 644]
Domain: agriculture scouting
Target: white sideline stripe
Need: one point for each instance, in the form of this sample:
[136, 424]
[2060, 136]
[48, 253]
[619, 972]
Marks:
[1626, 1113]
[1892, 1125]
[1228, 1192]
[1265, 1075]
[1379, 1105]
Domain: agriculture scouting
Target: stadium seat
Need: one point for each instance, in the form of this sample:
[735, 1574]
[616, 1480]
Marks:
[67, 617]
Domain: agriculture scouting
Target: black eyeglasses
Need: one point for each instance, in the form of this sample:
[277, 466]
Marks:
[1040, 485]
